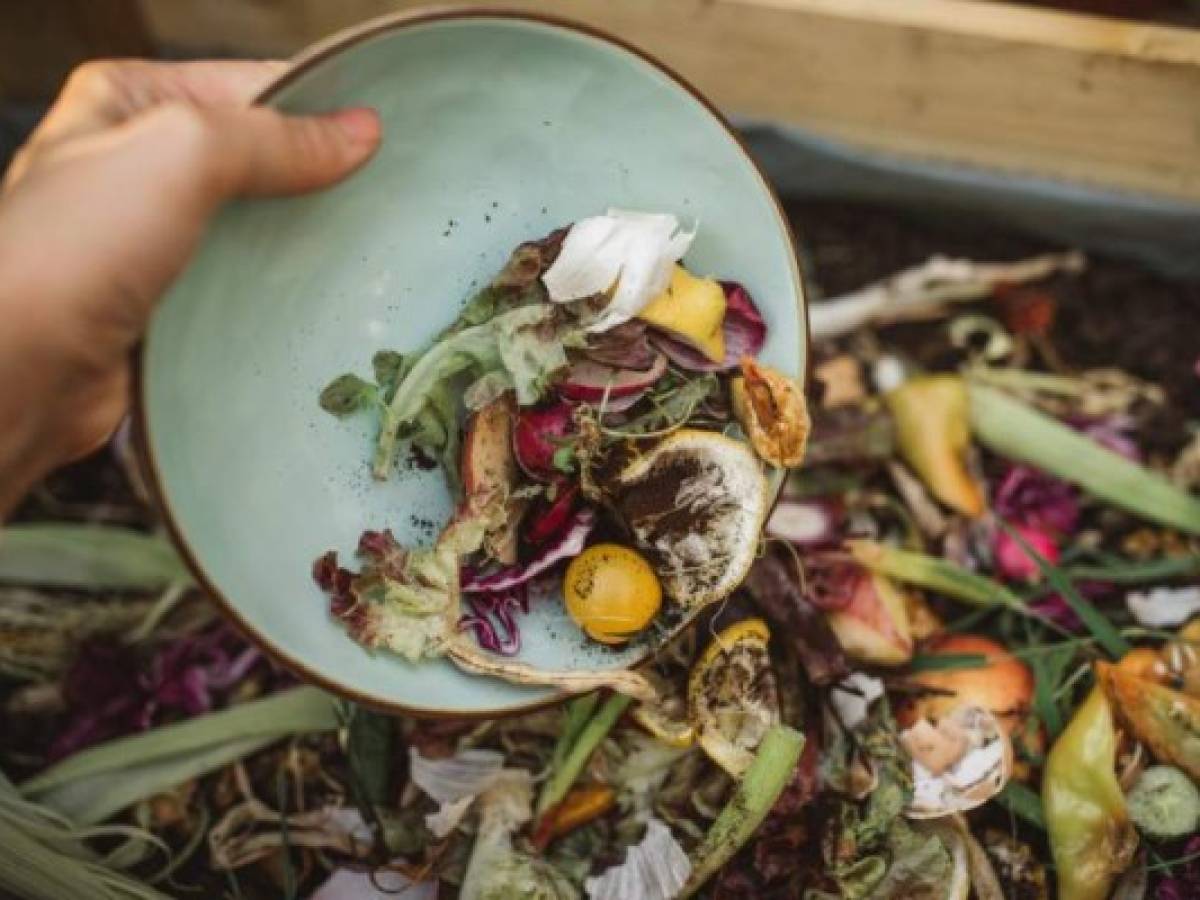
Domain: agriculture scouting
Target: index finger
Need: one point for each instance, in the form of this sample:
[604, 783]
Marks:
[104, 93]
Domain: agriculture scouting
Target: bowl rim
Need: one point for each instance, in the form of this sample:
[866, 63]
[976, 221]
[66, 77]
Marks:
[299, 64]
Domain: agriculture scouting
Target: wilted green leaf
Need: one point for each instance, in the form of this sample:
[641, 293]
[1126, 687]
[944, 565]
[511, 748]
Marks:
[88, 557]
[94, 784]
[346, 394]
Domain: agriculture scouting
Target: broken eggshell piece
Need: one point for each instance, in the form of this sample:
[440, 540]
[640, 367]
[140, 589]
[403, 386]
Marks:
[636, 251]
[958, 763]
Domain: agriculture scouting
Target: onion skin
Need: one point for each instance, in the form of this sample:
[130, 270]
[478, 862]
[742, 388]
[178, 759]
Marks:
[570, 543]
[589, 382]
[807, 523]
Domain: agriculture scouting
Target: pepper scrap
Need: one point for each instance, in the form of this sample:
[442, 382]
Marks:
[580, 806]
[1091, 836]
[933, 433]
[1166, 721]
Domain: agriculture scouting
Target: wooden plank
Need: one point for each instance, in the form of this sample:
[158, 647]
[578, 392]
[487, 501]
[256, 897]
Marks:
[1057, 95]
[41, 42]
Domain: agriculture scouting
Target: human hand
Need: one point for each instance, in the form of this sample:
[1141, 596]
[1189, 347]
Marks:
[101, 209]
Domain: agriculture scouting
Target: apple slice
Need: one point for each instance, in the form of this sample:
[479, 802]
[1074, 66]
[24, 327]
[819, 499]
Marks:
[873, 626]
[489, 476]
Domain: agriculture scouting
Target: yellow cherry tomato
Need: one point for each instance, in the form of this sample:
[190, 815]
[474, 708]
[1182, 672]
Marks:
[611, 592]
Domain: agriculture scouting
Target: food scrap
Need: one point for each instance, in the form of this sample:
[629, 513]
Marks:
[959, 656]
[589, 412]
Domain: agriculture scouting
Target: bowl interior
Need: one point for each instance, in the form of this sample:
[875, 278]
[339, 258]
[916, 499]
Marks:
[497, 129]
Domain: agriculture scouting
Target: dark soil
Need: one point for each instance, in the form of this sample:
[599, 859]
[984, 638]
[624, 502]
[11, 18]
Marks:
[1113, 315]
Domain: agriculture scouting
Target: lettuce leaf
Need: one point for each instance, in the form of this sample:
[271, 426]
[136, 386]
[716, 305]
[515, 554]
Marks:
[921, 866]
[406, 601]
[528, 343]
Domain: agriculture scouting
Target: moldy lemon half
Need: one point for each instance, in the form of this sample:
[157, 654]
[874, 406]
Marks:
[733, 698]
[665, 716]
[695, 503]
[611, 592]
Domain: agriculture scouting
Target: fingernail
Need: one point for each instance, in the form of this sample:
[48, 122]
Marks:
[360, 124]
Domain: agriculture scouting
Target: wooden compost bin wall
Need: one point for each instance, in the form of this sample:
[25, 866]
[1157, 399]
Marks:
[1078, 98]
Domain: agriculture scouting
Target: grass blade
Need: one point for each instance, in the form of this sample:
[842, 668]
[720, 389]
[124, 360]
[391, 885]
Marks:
[1048, 671]
[43, 857]
[371, 753]
[1023, 802]
[1136, 572]
[1103, 630]
[88, 557]
[942, 662]
[1017, 431]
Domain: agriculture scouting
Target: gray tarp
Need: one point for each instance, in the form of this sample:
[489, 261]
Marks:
[1162, 234]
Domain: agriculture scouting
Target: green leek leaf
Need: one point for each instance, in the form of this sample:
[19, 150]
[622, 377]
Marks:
[96, 783]
[1015, 430]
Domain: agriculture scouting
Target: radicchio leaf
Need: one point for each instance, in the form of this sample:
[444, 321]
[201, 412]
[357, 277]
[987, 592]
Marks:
[108, 693]
[570, 543]
[399, 600]
[550, 517]
[626, 346]
[493, 619]
[1032, 497]
[745, 334]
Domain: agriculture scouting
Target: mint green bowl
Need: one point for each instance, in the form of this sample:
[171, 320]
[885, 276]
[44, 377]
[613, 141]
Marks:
[497, 128]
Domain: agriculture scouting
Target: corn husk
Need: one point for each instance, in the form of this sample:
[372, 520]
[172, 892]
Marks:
[94, 784]
[1017, 431]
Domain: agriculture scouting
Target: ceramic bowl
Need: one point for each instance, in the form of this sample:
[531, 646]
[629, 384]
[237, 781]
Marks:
[497, 128]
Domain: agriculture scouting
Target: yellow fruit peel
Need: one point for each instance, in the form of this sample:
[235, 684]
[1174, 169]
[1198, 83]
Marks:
[732, 697]
[692, 308]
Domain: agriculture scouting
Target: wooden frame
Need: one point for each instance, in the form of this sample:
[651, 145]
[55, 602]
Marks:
[1069, 97]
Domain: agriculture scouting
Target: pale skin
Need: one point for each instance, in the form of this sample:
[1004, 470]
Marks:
[100, 211]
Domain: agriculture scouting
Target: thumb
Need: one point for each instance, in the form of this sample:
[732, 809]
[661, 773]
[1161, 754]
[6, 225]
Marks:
[258, 151]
